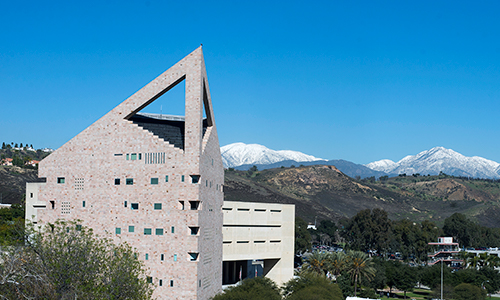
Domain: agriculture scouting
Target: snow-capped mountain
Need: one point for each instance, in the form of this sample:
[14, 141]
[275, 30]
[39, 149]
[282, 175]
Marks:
[238, 154]
[439, 159]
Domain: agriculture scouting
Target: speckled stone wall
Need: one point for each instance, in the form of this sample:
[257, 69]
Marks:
[155, 215]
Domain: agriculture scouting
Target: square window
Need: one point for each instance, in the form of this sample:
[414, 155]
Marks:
[134, 206]
[131, 228]
[195, 179]
[195, 205]
[157, 206]
[117, 181]
[78, 227]
[60, 180]
[129, 181]
[193, 256]
[147, 257]
[118, 230]
[147, 231]
[149, 279]
[159, 231]
[173, 229]
[182, 178]
[133, 156]
[83, 203]
[194, 230]
[154, 180]
[166, 178]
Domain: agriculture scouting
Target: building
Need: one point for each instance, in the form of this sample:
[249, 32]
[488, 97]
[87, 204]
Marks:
[153, 181]
[447, 252]
[7, 161]
[258, 240]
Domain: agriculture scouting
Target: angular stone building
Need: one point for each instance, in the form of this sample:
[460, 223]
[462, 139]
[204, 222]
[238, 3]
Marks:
[154, 181]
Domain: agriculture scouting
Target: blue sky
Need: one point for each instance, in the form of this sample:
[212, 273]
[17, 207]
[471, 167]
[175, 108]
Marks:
[353, 80]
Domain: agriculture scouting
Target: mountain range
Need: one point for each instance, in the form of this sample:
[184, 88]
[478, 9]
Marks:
[242, 156]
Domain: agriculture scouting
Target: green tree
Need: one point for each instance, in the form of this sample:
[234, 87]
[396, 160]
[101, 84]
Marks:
[359, 266]
[369, 230]
[405, 279]
[327, 227]
[251, 288]
[66, 261]
[318, 263]
[465, 291]
[302, 236]
[463, 231]
[311, 287]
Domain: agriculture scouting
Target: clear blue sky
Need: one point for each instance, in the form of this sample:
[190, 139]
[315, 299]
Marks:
[353, 80]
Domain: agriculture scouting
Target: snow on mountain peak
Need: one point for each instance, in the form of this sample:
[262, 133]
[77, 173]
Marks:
[238, 154]
[440, 159]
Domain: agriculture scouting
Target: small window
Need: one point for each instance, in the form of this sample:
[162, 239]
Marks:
[134, 206]
[60, 180]
[159, 231]
[195, 178]
[175, 257]
[118, 230]
[173, 229]
[127, 156]
[149, 279]
[157, 206]
[31, 195]
[133, 156]
[147, 231]
[171, 283]
[166, 178]
[182, 178]
[78, 227]
[199, 283]
[194, 230]
[129, 181]
[125, 203]
[162, 257]
[146, 257]
[140, 156]
[154, 180]
[117, 181]
[182, 204]
[131, 228]
[160, 282]
[53, 204]
[193, 256]
[83, 203]
[195, 205]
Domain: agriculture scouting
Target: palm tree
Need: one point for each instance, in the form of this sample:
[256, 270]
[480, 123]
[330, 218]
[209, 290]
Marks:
[318, 262]
[338, 263]
[359, 265]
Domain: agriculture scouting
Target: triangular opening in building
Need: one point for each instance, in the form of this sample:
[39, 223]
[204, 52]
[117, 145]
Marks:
[164, 114]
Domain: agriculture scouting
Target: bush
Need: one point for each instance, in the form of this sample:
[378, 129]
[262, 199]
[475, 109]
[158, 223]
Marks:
[250, 289]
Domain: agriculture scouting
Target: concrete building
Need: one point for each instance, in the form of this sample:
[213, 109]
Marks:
[154, 181]
[258, 240]
[447, 252]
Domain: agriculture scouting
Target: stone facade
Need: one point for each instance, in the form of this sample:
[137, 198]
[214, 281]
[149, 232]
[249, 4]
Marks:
[129, 184]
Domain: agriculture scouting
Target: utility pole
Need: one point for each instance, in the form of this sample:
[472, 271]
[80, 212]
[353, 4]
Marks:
[441, 279]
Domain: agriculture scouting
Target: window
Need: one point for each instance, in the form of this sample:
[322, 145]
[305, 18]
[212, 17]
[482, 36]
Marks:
[162, 257]
[83, 203]
[125, 203]
[194, 205]
[31, 195]
[193, 256]
[182, 204]
[195, 178]
[53, 204]
[166, 178]
[173, 229]
[118, 230]
[127, 156]
[199, 283]
[175, 257]
[182, 178]
[160, 283]
[134, 206]
[149, 279]
[131, 228]
[140, 156]
[194, 230]
[60, 180]
[129, 181]
[146, 257]
[133, 156]
[171, 283]
[147, 231]
[157, 206]
[117, 181]
[78, 227]
[154, 180]
[159, 231]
